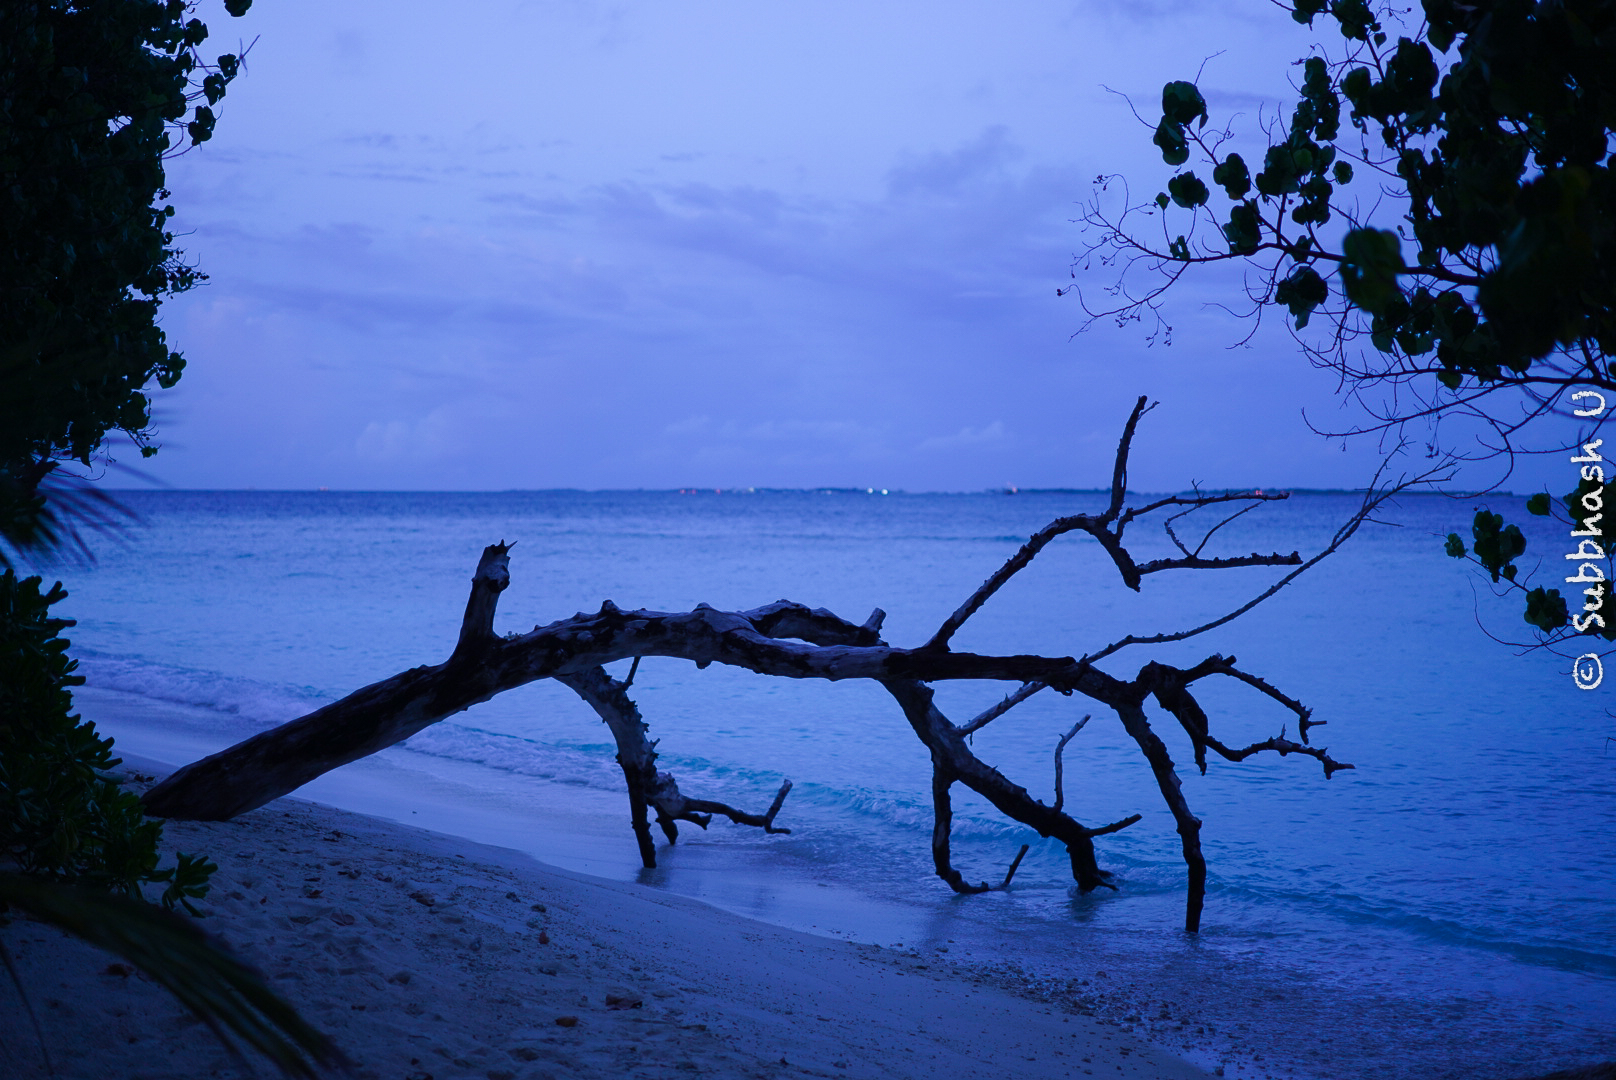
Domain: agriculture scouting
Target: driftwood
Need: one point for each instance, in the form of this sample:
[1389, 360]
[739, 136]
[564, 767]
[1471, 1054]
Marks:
[793, 641]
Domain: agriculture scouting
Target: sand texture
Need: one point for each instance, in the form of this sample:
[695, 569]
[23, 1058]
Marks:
[428, 958]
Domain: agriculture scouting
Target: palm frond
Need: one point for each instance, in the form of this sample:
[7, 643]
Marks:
[223, 992]
[49, 518]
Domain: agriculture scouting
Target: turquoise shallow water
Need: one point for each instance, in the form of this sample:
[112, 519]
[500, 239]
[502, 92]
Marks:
[1446, 909]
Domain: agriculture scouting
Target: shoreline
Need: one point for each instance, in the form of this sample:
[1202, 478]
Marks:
[1213, 1000]
[427, 955]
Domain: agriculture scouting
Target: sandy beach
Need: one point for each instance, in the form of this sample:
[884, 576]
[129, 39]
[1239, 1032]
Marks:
[429, 957]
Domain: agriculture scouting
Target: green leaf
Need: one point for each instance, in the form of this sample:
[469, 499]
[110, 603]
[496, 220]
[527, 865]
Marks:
[188, 881]
[1188, 191]
[1444, 21]
[1279, 172]
[1372, 260]
[1314, 208]
[1231, 174]
[1538, 504]
[1497, 545]
[1454, 546]
[1170, 138]
[1343, 173]
[1302, 292]
[1319, 112]
[1162, 200]
[201, 129]
[238, 8]
[1357, 86]
[1355, 18]
[1182, 103]
[1411, 75]
[1305, 10]
[1244, 229]
[1546, 609]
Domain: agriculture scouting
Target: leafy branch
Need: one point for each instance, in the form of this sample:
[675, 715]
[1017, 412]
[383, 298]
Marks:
[1482, 141]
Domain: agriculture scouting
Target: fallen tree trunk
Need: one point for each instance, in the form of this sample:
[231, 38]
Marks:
[790, 640]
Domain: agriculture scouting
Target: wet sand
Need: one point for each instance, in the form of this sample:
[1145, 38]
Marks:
[429, 956]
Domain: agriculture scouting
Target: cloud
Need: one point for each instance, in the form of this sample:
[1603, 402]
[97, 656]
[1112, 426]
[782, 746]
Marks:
[784, 439]
[688, 259]
[692, 425]
[947, 172]
[429, 438]
[964, 438]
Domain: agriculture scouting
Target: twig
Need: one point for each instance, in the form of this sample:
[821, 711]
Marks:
[1110, 539]
[1010, 701]
[1060, 793]
[1373, 498]
[1304, 715]
[1010, 873]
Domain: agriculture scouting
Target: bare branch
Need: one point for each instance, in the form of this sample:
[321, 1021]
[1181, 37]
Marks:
[1189, 826]
[1101, 528]
[648, 788]
[1171, 689]
[492, 577]
[1282, 746]
[1209, 533]
[1014, 565]
[1014, 863]
[1195, 562]
[1373, 499]
[1060, 747]
[1119, 471]
[1009, 702]
[764, 821]
[942, 829]
[789, 640]
[1304, 715]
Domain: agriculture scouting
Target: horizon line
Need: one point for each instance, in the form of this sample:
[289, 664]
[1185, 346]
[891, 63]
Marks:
[755, 490]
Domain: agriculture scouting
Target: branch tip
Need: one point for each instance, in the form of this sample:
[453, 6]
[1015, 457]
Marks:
[1014, 863]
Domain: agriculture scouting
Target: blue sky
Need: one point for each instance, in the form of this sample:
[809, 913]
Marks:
[575, 244]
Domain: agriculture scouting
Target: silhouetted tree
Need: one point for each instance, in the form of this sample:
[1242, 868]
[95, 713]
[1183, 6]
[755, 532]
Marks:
[95, 95]
[791, 640]
[1436, 218]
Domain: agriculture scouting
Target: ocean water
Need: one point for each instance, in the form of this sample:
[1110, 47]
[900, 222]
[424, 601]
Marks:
[1446, 909]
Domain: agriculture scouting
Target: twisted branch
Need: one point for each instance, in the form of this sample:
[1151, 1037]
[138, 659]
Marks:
[791, 640]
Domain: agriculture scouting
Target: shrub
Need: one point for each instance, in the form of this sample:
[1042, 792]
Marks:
[61, 814]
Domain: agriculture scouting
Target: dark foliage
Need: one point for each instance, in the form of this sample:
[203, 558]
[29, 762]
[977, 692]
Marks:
[61, 814]
[1492, 127]
[94, 94]
[1438, 214]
